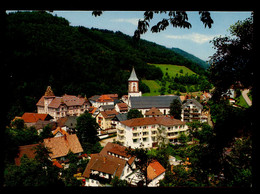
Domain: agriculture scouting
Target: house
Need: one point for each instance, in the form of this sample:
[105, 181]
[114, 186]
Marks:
[30, 119]
[155, 173]
[58, 132]
[93, 111]
[110, 162]
[39, 125]
[61, 145]
[118, 118]
[124, 98]
[104, 118]
[205, 96]
[153, 112]
[192, 111]
[101, 100]
[121, 107]
[67, 123]
[137, 131]
[145, 103]
[57, 107]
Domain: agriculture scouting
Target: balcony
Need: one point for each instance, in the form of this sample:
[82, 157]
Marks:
[195, 113]
[145, 130]
[135, 136]
[120, 134]
[121, 139]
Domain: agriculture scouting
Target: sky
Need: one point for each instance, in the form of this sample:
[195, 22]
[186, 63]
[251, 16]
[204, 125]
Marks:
[194, 40]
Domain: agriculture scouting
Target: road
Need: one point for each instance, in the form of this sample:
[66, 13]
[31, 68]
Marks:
[244, 94]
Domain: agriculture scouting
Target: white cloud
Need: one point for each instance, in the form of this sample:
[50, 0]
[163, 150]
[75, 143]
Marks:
[133, 21]
[195, 37]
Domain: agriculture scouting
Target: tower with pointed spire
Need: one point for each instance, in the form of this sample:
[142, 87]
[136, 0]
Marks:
[133, 85]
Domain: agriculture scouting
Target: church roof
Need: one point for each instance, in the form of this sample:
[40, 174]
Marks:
[133, 76]
[147, 102]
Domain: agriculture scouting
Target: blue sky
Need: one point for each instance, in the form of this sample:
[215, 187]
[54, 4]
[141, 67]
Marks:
[194, 40]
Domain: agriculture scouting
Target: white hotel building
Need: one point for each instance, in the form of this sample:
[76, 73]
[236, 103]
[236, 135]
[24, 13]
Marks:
[135, 132]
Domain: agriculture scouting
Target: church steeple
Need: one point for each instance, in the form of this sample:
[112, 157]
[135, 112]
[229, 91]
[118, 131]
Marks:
[133, 85]
[49, 92]
[133, 76]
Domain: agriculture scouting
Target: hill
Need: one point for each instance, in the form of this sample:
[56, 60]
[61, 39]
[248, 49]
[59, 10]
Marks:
[166, 85]
[42, 49]
[172, 70]
[191, 57]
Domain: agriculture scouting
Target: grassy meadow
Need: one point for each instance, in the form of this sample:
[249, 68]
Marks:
[171, 70]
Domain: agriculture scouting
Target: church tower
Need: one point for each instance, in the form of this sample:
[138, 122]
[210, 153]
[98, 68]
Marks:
[133, 85]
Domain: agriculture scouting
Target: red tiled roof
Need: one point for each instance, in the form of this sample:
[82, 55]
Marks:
[109, 113]
[116, 149]
[154, 112]
[106, 164]
[105, 98]
[40, 102]
[122, 106]
[113, 96]
[166, 121]
[92, 110]
[154, 170]
[28, 150]
[59, 130]
[34, 117]
[56, 163]
[69, 100]
[60, 146]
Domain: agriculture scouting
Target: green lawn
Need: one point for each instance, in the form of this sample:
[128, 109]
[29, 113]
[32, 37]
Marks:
[172, 70]
[154, 88]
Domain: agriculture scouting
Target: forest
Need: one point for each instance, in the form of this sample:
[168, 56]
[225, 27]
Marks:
[42, 49]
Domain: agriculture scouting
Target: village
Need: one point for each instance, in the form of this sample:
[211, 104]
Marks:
[89, 107]
[116, 132]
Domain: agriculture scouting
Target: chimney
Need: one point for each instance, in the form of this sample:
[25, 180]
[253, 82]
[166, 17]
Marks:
[104, 159]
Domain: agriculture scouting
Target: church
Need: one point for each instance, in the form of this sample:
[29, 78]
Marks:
[145, 103]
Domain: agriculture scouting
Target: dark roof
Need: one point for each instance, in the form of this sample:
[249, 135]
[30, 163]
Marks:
[71, 122]
[121, 117]
[41, 124]
[108, 107]
[94, 98]
[194, 102]
[152, 101]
